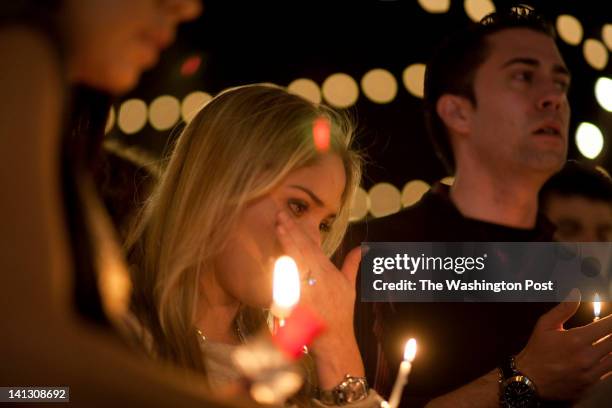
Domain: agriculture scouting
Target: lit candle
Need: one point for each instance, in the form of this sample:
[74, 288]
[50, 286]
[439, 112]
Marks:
[285, 287]
[403, 373]
[298, 325]
[596, 307]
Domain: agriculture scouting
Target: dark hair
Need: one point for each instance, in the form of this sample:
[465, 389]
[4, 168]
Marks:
[84, 117]
[453, 66]
[578, 179]
[81, 147]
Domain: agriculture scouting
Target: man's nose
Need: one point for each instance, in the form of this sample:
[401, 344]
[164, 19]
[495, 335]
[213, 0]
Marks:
[552, 98]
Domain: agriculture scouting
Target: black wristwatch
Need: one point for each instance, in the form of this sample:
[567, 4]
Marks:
[515, 389]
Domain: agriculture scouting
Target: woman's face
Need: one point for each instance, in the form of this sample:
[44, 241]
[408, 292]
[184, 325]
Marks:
[110, 42]
[311, 195]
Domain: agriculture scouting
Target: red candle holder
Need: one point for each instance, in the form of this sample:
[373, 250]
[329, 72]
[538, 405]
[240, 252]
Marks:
[299, 330]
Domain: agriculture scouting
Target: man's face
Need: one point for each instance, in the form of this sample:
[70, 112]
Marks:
[521, 118]
[579, 219]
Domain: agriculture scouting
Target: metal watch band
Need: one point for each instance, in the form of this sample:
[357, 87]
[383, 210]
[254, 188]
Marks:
[351, 389]
[508, 375]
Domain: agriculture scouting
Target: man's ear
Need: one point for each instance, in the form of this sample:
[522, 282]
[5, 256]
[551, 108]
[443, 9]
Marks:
[456, 113]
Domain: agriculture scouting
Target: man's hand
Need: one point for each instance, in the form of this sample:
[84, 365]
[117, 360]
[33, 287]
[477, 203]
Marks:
[563, 363]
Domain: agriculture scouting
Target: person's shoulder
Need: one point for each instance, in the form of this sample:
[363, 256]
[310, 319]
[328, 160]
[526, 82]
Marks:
[33, 57]
[20, 37]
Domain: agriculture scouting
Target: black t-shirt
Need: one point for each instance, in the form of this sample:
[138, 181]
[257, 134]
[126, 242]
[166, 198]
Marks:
[457, 342]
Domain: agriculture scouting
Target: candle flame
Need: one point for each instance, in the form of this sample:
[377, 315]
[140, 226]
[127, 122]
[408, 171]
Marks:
[410, 350]
[285, 286]
[596, 306]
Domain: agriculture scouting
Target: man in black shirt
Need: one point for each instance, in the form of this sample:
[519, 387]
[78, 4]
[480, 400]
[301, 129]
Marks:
[496, 99]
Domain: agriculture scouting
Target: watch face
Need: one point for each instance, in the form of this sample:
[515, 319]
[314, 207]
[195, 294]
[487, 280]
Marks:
[356, 390]
[518, 392]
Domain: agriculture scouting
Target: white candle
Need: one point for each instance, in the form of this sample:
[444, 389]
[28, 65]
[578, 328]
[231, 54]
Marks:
[403, 373]
[596, 307]
[285, 287]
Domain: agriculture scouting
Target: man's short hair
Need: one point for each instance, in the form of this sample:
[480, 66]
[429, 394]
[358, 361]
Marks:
[453, 67]
[578, 179]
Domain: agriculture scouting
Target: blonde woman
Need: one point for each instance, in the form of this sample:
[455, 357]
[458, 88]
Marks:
[245, 184]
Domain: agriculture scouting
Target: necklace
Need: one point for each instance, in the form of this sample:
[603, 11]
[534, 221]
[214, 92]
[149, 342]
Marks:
[237, 330]
[202, 336]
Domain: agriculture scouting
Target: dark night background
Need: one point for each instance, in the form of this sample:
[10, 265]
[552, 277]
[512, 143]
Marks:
[246, 42]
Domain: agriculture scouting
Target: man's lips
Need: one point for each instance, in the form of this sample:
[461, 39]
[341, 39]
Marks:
[548, 128]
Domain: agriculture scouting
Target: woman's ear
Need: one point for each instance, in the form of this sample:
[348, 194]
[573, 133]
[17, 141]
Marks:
[456, 113]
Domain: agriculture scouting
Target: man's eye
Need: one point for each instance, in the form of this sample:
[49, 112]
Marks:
[563, 85]
[568, 228]
[525, 76]
[298, 207]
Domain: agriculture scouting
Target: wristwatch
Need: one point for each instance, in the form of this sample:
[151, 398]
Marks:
[351, 389]
[515, 389]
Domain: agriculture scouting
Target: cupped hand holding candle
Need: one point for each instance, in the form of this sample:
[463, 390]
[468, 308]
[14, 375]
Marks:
[403, 373]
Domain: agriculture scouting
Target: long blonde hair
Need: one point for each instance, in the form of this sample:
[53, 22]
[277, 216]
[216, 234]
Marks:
[236, 149]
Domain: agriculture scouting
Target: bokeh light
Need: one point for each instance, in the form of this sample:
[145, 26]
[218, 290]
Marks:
[340, 90]
[477, 9]
[414, 79]
[606, 35]
[569, 29]
[360, 205]
[191, 65]
[595, 53]
[192, 103]
[110, 120]
[320, 134]
[589, 140]
[385, 199]
[413, 191]
[132, 116]
[603, 93]
[379, 85]
[435, 6]
[449, 180]
[164, 112]
[307, 89]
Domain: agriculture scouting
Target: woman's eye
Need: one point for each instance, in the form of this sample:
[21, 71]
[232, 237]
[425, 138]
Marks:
[298, 207]
[325, 227]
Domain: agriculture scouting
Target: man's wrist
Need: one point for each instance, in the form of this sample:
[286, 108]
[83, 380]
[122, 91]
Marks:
[515, 388]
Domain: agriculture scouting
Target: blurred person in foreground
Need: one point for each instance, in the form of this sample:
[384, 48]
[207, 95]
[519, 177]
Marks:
[64, 283]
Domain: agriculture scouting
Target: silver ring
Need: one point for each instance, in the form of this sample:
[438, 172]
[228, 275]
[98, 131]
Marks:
[311, 281]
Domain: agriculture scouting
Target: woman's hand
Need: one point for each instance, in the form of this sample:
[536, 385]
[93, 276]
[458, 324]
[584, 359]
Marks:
[332, 296]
